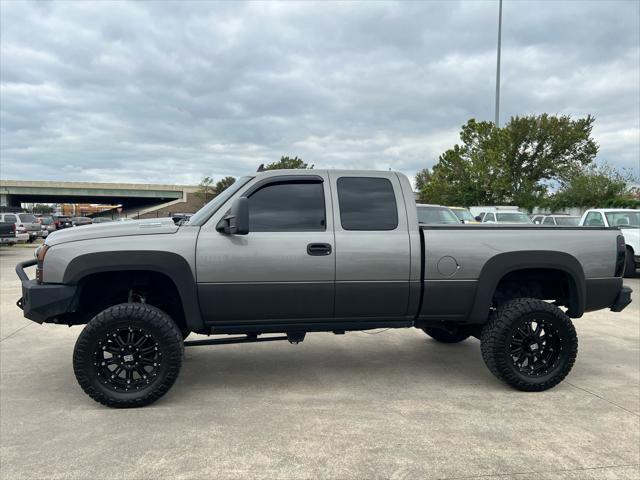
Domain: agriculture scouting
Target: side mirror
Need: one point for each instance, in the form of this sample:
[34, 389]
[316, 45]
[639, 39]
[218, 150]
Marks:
[236, 222]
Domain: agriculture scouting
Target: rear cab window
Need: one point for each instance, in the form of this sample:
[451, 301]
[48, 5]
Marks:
[367, 204]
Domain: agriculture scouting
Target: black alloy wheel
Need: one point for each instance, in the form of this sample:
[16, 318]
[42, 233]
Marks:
[535, 346]
[127, 359]
[529, 344]
[128, 355]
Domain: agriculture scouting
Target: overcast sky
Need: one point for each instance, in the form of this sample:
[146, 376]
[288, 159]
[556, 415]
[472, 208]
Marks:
[169, 92]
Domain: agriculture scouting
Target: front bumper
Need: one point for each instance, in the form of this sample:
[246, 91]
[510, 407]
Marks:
[43, 302]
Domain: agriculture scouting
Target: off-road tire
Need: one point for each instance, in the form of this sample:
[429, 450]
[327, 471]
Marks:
[443, 336]
[497, 337]
[629, 264]
[147, 321]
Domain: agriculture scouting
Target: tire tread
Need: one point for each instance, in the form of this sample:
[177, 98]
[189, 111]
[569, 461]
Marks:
[144, 313]
[494, 335]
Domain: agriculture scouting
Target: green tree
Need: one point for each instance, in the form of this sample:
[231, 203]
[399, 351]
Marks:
[423, 177]
[594, 187]
[288, 162]
[222, 185]
[42, 209]
[205, 189]
[511, 165]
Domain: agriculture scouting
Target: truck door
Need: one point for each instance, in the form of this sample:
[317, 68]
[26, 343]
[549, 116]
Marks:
[284, 269]
[373, 255]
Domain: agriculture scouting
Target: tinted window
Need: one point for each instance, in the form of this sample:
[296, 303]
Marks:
[489, 217]
[367, 204]
[594, 219]
[10, 218]
[287, 207]
[548, 221]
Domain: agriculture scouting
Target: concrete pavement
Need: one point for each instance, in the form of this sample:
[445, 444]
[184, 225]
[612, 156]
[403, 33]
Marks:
[389, 405]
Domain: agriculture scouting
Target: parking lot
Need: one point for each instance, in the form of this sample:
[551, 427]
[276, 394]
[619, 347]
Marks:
[390, 405]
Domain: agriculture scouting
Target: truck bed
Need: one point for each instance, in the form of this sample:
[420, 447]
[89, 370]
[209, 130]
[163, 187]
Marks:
[463, 265]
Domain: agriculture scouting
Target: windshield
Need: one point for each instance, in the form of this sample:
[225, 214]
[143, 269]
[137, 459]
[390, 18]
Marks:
[436, 215]
[46, 220]
[27, 218]
[463, 215]
[210, 208]
[567, 220]
[624, 218]
[512, 217]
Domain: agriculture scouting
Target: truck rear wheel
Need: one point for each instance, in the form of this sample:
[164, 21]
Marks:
[529, 344]
[128, 355]
[444, 336]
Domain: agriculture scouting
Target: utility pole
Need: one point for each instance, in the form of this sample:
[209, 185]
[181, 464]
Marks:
[497, 118]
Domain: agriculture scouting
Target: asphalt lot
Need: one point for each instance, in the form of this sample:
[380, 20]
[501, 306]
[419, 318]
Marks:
[390, 405]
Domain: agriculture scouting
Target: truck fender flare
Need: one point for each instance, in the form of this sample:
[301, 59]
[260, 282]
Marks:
[174, 266]
[500, 265]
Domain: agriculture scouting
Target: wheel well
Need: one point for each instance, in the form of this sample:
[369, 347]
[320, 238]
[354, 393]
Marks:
[98, 291]
[540, 283]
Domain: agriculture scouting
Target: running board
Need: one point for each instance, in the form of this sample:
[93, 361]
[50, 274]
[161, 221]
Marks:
[227, 341]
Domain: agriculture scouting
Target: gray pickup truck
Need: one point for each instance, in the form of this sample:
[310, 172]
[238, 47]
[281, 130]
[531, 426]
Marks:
[287, 252]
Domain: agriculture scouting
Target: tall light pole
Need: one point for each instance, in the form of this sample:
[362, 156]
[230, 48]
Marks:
[497, 118]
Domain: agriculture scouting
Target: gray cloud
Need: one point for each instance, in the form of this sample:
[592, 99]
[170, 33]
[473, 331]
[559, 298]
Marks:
[169, 92]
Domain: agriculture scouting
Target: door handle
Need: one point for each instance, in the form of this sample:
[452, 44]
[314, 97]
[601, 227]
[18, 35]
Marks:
[319, 249]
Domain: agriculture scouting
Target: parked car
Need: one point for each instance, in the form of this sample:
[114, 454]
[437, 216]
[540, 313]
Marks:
[101, 220]
[628, 221]
[435, 215]
[506, 218]
[47, 224]
[463, 214]
[537, 219]
[80, 221]
[298, 251]
[21, 235]
[62, 221]
[561, 220]
[27, 223]
[8, 233]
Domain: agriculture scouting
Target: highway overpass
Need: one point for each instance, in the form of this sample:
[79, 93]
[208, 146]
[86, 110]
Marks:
[145, 200]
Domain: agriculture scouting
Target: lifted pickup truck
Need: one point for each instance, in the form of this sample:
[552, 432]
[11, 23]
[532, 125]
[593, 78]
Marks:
[295, 251]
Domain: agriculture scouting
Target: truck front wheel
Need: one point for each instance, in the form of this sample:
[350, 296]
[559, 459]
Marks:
[128, 355]
[529, 344]
[444, 336]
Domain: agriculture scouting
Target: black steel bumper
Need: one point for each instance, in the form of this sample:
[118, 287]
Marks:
[622, 300]
[43, 302]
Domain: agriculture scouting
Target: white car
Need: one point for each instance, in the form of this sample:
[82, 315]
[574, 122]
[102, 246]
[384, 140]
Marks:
[628, 221]
[503, 217]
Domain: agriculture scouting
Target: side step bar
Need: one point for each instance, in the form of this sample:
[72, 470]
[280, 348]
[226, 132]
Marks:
[293, 337]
